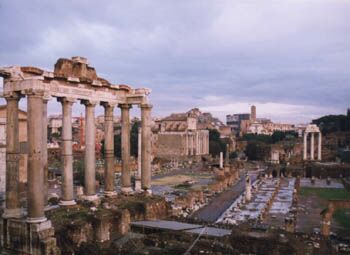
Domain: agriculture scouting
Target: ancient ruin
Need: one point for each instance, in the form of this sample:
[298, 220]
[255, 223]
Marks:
[73, 80]
[312, 129]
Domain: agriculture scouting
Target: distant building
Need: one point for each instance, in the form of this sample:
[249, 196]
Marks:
[178, 136]
[237, 121]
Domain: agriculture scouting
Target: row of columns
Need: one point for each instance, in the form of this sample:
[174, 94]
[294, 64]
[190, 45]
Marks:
[37, 153]
[197, 143]
[312, 146]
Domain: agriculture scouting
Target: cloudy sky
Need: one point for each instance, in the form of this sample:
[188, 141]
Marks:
[291, 58]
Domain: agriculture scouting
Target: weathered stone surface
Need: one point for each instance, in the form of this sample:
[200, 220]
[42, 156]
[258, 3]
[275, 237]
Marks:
[74, 68]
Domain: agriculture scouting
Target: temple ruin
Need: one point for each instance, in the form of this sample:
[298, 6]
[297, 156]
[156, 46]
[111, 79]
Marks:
[73, 80]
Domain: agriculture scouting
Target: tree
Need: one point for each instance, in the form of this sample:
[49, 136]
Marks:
[257, 150]
[216, 145]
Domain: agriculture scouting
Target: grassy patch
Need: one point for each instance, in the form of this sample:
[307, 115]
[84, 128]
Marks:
[342, 216]
[325, 193]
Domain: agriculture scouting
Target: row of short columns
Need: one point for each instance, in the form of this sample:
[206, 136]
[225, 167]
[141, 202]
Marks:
[37, 153]
[312, 146]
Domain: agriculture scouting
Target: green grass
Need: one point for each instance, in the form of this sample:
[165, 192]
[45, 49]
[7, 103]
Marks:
[325, 193]
[342, 216]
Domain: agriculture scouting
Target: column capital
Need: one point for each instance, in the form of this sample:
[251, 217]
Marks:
[146, 106]
[92, 103]
[124, 106]
[66, 100]
[13, 96]
[108, 104]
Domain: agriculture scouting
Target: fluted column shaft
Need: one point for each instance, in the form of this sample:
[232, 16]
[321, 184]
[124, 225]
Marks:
[12, 208]
[146, 147]
[305, 145]
[44, 157]
[319, 150]
[67, 153]
[125, 142]
[90, 158]
[312, 146]
[35, 166]
[109, 151]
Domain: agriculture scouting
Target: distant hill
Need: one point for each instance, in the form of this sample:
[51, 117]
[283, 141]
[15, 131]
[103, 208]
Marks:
[334, 123]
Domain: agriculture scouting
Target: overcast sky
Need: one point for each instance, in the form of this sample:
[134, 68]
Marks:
[290, 58]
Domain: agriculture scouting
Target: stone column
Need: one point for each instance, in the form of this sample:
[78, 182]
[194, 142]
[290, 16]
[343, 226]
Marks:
[125, 119]
[319, 150]
[35, 167]
[67, 197]
[109, 151]
[305, 145]
[12, 207]
[312, 146]
[146, 147]
[90, 158]
[139, 153]
[221, 163]
[44, 157]
[248, 191]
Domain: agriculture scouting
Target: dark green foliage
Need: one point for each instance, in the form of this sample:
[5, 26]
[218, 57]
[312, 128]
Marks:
[257, 150]
[216, 145]
[233, 155]
[333, 123]
[257, 138]
[133, 141]
[276, 137]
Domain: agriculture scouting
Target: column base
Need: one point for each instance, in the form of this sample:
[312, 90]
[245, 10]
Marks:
[90, 197]
[67, 202]
[36, 219]
[126, 190]
[110, 193]
[12, 213]
[138, 186]
[147, 192]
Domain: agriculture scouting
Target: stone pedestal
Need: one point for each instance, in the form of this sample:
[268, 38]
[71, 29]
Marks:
[27, 238]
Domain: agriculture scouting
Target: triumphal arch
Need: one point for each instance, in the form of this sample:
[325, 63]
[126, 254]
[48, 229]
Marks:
[72, 81]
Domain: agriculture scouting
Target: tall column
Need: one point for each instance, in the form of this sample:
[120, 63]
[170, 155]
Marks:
[44, 157]
[139, 153]
[125, 119]
[67, 197]
[312, 146]
[305, 145]
[90, 158]
[35, 153]
[319, 150]
[12, 207]
[221, 163]
[146, 147]
[109, 151]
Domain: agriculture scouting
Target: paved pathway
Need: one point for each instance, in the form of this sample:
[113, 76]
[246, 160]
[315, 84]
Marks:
[219, 204]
